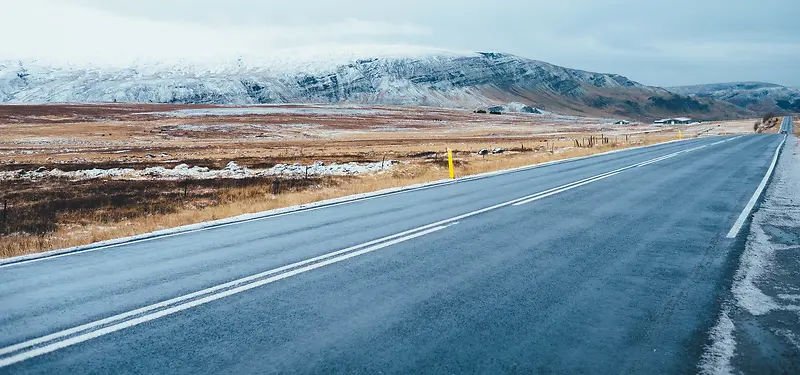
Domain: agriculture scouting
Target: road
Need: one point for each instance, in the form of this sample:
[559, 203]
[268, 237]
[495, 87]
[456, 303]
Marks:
[608, 264]
[787, 125]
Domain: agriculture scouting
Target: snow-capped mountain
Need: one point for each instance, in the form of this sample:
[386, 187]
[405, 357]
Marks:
[425, 77]
[756, 96]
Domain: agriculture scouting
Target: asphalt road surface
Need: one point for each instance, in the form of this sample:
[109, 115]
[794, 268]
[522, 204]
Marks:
[787, 127]
[607, 264]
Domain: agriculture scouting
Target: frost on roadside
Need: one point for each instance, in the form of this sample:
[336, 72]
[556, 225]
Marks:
[766, 286]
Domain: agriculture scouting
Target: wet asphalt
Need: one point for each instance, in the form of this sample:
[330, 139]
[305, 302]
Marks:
[621, 275]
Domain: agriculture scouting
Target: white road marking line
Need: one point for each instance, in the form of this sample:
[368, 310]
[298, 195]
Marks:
[599, 177]
[156, 306]
[177, 308]
[737, 226]
[565, 189]
[336, 256]
[306, 209]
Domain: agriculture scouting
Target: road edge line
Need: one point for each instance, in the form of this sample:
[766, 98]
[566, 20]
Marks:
[751, 204]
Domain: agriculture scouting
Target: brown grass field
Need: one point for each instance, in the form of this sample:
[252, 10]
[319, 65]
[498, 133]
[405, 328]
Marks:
[796, 122]
[49, 213]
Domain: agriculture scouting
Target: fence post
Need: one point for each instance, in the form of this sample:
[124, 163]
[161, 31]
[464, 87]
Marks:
[276, 186]
[383, 161]
[307, 166]
[5, 212]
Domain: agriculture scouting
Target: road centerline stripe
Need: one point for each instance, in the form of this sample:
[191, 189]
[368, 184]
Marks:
[209, 298]
[214, 289]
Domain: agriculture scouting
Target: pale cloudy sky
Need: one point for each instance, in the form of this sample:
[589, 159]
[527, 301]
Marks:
[655, 42]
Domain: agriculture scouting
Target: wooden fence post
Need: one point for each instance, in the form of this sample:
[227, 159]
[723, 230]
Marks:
[5, 212]
[276, 184]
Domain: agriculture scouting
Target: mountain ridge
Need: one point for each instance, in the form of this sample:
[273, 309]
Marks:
[760, 97]
[432, 78]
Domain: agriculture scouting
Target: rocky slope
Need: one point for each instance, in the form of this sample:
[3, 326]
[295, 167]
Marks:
[758, 97]
[466, 80]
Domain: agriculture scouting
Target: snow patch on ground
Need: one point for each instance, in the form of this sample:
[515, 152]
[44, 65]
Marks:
[717, 358]
[790, 336]
[184, 171]
[756, 262]
[273, 110]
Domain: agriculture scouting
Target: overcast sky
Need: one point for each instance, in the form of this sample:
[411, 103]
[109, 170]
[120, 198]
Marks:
[669, 42]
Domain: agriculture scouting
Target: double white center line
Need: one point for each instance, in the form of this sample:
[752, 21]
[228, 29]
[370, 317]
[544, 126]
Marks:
[576, 184]
[85, 332]
[62, 339]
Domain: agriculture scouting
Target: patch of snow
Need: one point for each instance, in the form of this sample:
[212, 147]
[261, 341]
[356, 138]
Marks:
[184, 171]
[517, 107]
[232, 170]
[190, 127]
[85, 174]
[272, 110]
[334, 169]
[790, 297]
[717, 358]
[755, 263]
[790, 336]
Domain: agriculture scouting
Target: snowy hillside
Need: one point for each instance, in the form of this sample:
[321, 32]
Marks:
[416, 77]
[756, 96]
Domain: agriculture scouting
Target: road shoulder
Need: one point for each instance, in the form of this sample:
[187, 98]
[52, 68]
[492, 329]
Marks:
[758, 330]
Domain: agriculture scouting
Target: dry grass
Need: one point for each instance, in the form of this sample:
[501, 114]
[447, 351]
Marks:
[796, 122]
[110, 209]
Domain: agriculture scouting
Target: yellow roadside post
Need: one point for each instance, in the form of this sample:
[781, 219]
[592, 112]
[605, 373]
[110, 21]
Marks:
[450, 163]
[680, 135]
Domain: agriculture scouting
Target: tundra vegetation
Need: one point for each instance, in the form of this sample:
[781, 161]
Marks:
[94, 196]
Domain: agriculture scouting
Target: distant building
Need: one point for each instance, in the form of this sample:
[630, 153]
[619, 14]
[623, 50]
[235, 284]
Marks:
[674, 121]
[496, 110]
[622, 122]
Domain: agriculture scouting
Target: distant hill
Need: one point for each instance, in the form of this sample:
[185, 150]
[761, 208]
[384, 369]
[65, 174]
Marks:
[758, 97]
[430, 78]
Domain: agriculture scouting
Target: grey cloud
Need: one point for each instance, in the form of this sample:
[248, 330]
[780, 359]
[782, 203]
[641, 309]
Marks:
[656, 42]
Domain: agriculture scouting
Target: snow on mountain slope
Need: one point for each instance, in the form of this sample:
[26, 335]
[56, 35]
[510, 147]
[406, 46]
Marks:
[756, 96]
[407, 76]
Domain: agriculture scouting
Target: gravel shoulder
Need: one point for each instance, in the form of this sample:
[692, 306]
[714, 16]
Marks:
[758, 331]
